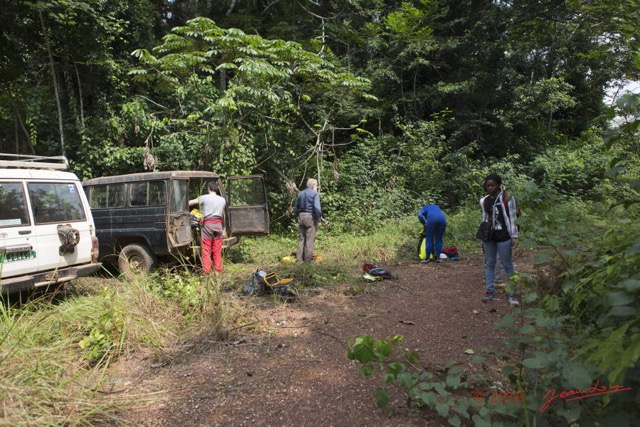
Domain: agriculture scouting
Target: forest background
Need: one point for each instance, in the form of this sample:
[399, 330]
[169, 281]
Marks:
[390, 104]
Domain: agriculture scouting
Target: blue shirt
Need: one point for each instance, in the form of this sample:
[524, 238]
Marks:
[309, 201]
[431, 213]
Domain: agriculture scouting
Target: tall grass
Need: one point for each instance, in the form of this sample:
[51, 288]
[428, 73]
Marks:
[44, 380]
[55, 350]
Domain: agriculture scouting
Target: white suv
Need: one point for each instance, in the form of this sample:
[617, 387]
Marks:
[47, 233]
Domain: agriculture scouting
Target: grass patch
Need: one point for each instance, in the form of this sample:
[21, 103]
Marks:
[343, 253]
[385, 244]
[45, 380]
[55, 350]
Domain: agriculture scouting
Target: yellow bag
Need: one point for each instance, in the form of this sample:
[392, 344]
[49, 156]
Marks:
[423, 249]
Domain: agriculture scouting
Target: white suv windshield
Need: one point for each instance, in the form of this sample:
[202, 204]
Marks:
[55, 202]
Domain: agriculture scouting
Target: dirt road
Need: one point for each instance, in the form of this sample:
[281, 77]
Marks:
[293, 369]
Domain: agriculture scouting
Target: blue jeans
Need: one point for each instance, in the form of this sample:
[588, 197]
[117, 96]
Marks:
[491, 251]
[434, 230]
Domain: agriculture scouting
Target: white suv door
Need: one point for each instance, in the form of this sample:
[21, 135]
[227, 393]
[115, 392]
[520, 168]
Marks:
[17, 233]
[61, 226]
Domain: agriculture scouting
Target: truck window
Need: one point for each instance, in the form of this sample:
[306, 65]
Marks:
[246, 192]
[148, 193]
[179, 196]
[106, 196]
[55, 202]
[197, 187]
[98, 196]
[115, 195]
[13, 209]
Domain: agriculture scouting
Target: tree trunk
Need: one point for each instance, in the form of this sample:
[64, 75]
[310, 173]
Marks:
[55, 83]
[75, 67]
[231, 7]
[223, 81]
[19, 125]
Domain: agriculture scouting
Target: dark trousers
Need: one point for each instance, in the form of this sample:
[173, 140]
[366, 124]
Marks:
[307, 239]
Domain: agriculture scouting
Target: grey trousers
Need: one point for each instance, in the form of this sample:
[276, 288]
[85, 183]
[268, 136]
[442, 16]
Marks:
[307, 228]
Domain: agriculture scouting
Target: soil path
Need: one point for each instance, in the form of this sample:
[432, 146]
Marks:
[293, 371]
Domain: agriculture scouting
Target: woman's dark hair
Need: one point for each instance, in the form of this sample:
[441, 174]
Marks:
[213, 186]
[493, 177]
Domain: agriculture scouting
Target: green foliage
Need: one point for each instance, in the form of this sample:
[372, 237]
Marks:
[440, 388]
[510, 87]
[59, 85]
[462, 225]
[106, 330]
[622, 137]
[227, 93]
[265, 250]
[534, 105]
[603, 286]
[585, 328]
[576, 170]
[395, 239]
[183, 288]
[385, 177]
[45, 371]
[546, 216]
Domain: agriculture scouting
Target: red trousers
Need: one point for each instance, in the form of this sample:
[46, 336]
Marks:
[211, 245]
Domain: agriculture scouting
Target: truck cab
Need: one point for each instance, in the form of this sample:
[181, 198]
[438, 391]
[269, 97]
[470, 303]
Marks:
[144, 218]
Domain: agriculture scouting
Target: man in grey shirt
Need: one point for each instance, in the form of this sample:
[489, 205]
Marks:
[212, 206]
[309, 217]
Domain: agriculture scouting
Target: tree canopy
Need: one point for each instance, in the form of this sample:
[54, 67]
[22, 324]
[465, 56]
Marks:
[438, 88]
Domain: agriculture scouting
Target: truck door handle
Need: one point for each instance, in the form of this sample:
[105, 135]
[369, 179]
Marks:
[24, 232]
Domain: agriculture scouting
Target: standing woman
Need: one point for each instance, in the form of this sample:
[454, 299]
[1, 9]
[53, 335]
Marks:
[500, 210]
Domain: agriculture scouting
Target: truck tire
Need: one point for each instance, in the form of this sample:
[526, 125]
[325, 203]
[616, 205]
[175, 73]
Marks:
[136, 258]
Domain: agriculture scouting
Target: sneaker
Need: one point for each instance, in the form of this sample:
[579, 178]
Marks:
[513, 301]
[425, 261]
[488, 296]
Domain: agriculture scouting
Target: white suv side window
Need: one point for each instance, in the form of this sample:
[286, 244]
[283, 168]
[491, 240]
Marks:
[13, 209]
[55, 202]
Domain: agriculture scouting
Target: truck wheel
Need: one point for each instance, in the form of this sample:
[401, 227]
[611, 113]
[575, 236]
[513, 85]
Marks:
[136, 258]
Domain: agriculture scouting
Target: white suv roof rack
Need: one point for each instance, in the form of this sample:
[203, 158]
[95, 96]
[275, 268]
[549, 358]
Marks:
[33, 162]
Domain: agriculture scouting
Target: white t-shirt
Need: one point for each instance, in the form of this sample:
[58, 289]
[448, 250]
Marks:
[212, 206]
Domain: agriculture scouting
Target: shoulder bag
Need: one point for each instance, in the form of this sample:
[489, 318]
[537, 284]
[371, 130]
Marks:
[486, 230]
